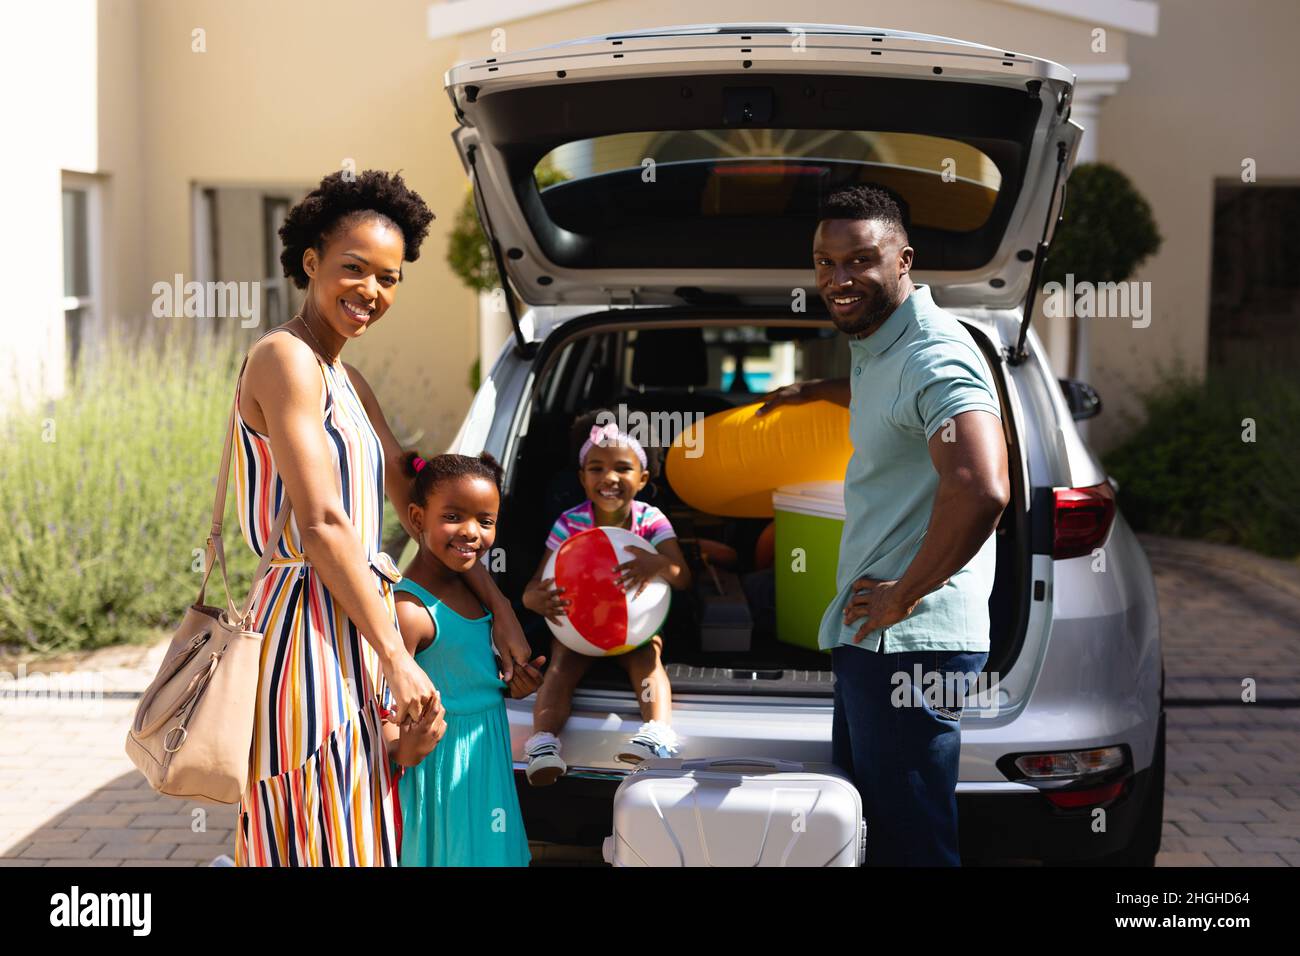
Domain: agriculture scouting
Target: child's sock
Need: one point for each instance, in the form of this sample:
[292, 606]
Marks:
[662, 732]
[658, 734]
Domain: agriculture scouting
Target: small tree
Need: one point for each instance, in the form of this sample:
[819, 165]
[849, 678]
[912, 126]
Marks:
[468, 252]
[1107, 233]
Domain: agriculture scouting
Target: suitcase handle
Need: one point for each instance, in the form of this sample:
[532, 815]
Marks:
[720, 763]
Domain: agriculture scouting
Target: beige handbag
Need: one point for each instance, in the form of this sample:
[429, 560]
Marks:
[193, 729]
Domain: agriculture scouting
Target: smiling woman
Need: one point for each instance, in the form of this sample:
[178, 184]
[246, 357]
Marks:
[333, 663]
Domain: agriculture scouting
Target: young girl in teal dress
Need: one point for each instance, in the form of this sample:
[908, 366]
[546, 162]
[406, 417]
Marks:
[457, 788]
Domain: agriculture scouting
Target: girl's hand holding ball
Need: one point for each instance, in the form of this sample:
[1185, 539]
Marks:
[644, 567]
[545, 599]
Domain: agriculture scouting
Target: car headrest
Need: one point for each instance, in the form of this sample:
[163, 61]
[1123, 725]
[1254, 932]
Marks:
[670, 358]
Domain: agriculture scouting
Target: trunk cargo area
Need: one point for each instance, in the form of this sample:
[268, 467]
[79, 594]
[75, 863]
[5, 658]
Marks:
[683, 370]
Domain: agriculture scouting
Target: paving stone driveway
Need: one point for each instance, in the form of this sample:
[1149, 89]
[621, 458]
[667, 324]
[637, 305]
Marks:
[1233, 773]
[68, 795]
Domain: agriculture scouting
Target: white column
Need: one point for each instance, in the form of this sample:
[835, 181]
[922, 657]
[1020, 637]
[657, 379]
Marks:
[493, 330]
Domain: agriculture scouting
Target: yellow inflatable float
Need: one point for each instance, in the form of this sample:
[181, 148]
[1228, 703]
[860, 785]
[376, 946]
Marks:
[739, 458]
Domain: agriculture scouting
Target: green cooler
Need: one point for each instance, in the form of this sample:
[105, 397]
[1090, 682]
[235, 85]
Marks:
[809, 522]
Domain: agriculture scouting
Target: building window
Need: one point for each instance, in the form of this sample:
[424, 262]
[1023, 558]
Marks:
[1254, 282]
[236, 239]
[277, 299]
[80, 266]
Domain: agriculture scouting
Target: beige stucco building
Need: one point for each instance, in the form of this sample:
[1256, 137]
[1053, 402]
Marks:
[169, 136]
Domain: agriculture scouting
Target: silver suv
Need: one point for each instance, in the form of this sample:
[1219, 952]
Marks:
[652, 197]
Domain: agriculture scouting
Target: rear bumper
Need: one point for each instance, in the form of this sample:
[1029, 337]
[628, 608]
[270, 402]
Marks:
[999, 823]
[1006, 827]
[573, 811]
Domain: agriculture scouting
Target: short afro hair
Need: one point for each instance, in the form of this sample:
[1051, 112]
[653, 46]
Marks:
[866, 202]
[373, 193]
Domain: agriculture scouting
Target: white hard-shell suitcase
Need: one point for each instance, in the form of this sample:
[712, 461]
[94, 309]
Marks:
[736, 811]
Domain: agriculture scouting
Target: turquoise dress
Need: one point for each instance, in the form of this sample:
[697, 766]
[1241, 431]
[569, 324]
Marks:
[459, 805]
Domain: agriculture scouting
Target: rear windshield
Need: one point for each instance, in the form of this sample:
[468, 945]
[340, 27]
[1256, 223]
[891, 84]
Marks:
[654, 172]
[752, 173]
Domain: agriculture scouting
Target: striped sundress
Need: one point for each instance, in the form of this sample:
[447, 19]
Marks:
[319, 790]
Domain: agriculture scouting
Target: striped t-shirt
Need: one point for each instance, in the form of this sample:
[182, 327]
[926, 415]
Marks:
[647, 522]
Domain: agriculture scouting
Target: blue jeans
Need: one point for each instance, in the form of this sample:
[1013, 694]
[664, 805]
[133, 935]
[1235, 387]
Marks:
[901, 750]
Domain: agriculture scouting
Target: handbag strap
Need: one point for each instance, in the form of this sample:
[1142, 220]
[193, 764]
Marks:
[215, 548]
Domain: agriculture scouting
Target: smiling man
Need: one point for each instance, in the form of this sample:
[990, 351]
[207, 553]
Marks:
[923, 492]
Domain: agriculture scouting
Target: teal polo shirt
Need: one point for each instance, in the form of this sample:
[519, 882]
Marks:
[908, 378]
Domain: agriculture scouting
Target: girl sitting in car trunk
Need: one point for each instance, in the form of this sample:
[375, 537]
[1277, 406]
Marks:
[613, 468]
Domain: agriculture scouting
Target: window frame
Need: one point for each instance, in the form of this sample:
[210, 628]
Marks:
[90, 305]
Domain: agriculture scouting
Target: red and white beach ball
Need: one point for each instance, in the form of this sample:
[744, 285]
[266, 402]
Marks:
[604, 619]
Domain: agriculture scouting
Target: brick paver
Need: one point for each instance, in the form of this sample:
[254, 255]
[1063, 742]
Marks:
[1232, 778]
[70, 797]
[1227, 615]
[87, 806]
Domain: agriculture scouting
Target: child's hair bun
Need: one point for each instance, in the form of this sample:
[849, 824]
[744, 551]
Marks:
[408, 461]
[494, 466]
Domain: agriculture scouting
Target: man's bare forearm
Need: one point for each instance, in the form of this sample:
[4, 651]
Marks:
[961, 521]
[832, 390]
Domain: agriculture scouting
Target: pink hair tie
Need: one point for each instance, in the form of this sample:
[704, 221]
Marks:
[418, 464]
[610, 435]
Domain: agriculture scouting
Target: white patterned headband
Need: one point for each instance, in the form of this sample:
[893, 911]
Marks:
[610, 435]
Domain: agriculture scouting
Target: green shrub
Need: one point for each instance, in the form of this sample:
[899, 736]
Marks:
[106, 492]
[1107, 231]
[1188, 471]
[468, 253]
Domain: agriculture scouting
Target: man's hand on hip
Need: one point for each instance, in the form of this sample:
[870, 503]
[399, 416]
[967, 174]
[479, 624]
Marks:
[881, 603]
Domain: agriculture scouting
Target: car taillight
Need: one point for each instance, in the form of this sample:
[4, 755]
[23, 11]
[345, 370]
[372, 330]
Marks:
[1082, 519]
[1066, 764]
[1070, 768]
[1073, 799]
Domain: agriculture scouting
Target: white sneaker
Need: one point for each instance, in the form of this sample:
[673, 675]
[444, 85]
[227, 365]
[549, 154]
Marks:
[545, 765]
[653, 739]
